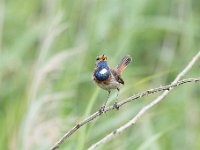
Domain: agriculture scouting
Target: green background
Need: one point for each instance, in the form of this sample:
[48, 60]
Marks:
[47, 55]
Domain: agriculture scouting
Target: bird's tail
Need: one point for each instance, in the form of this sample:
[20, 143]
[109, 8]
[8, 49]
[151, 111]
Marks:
[123, 64]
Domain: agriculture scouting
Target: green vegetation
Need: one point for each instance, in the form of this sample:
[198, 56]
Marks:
[47, 55]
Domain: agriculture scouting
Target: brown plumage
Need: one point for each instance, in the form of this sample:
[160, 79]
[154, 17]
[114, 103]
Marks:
[107, 78]
[112, 78]
[117, 76]
[123, 64]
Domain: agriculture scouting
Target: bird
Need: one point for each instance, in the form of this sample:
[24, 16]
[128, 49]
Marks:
[107, 78]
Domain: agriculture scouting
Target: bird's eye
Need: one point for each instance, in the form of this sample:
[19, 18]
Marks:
[97, 59]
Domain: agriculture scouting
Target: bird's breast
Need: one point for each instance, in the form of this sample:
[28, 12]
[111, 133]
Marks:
[102, 74]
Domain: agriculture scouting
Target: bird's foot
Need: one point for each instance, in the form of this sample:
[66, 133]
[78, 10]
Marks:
[116, 106]
[102, 109]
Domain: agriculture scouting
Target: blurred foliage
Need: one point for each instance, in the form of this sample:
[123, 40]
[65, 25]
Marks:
[47, 55]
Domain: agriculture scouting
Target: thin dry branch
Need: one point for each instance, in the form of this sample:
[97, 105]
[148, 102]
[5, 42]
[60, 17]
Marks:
[166, 88]
[176, 82]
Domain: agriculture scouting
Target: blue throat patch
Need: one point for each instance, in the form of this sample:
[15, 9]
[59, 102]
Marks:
[102, 64]
[102, 73]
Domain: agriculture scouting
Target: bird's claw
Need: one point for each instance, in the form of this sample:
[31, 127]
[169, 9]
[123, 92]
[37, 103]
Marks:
[116, 106]
[102, 109]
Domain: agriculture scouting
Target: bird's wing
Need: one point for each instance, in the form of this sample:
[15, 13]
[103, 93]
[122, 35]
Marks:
[117, 76]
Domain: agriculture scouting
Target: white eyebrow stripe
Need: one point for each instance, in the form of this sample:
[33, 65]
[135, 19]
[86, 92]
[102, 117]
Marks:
[103, 71]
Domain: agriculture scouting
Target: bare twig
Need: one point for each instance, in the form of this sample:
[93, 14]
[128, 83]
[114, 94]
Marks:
[123, 102]
[153, 103]
[137, 96]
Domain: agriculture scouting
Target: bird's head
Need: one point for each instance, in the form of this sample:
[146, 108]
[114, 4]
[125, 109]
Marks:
[101, 61]
[101, 58]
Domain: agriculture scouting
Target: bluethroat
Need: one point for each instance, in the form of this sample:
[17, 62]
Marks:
[107, 78]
